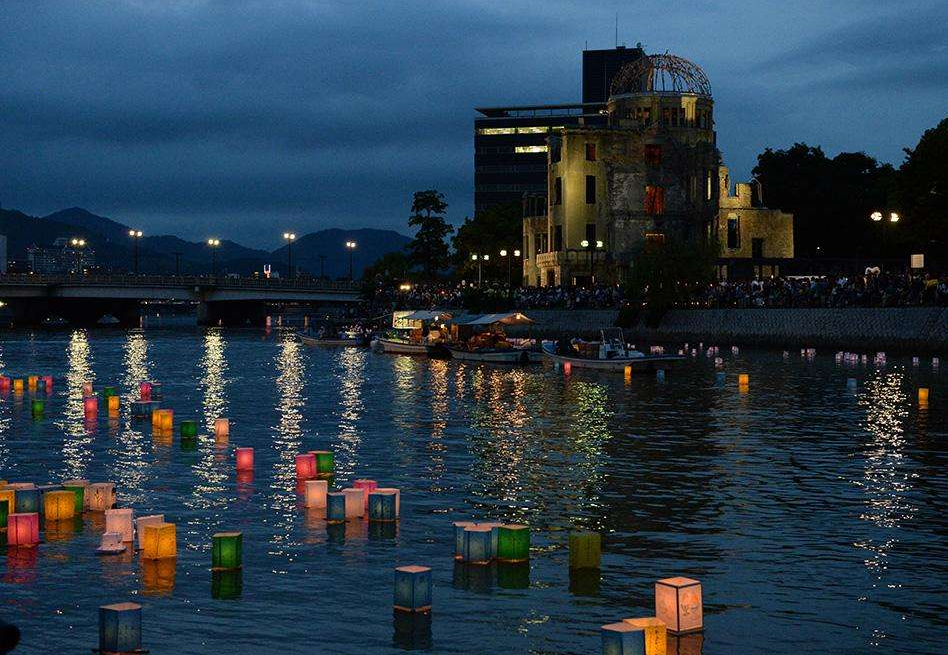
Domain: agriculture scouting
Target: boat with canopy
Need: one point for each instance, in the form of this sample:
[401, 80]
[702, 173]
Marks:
[610, 353]
[482, 339]
[415, 332]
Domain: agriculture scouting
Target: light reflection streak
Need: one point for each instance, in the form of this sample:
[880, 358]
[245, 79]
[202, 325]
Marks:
[350, 375]
[214, 379]
[438, 386]
[79, 433]
[886, 481]
[4, 421]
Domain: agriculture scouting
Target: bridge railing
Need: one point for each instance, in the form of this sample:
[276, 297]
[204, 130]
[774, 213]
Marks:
[219, 281]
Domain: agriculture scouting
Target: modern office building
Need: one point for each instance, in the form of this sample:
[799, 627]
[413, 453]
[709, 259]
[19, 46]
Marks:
[510, 143]
[61, 257]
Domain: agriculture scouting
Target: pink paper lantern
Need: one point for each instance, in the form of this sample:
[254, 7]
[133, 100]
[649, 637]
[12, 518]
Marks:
[90, 406]
[368, 485]
[23, 529]
[244, 459]
[144, 389]
[48, 380]
[86, 389]
[305, 466]
[355, 503]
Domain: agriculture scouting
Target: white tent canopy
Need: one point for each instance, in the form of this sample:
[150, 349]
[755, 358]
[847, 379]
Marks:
[514, 318]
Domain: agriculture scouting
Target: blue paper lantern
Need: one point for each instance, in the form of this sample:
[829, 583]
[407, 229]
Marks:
[28, 501]
[382, 506]
[335, 507]
[622, 639]
[477, 544]
[120, 627]
[459, 527]
[413, 588]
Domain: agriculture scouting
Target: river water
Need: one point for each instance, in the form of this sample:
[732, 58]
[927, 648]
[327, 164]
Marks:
[815, 516]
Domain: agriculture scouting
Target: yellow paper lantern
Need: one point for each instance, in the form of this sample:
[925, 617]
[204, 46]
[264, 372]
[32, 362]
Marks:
[743, 379]
[656, 634]
[18, 385]
[120, 521]
[159, 541]
[113, 405]
[142, 521]
[923, 395]
[59, 505]
[167, 419]
[31, 382]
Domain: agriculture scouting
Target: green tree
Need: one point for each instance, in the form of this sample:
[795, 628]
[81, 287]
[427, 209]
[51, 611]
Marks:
[489, 232]
[922, 191]
[429, 248]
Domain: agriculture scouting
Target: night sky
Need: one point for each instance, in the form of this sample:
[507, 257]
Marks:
[247, 118]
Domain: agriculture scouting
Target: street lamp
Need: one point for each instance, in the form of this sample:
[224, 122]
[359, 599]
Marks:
[350, 245]
[589, 246]
[290, 238]
[77, 244]
[876, 216]
[480, 259]
[136, 235]
[894, 217]
[214, 244]
[503, 253]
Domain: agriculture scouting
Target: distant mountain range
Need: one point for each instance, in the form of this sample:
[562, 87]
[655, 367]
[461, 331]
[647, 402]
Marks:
[157, 254]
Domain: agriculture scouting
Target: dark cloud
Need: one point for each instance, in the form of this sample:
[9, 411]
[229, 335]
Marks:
[240, 115]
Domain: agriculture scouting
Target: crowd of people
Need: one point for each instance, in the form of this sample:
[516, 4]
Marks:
[872, 289]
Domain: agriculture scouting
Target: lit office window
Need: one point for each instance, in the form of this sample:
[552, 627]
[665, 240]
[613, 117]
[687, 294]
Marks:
[532, 130]
[490, 131]
[529, 149]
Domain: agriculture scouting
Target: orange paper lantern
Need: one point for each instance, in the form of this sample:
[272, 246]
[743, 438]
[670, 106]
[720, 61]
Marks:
[656, 634]
[159, 541]
[86, 389]
[678, 604]
[113, 405]
[142, 521]
[743, 379]
[59, 505]
[221, 429]
[316, 491]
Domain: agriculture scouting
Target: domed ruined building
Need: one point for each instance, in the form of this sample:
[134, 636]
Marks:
[649, 173]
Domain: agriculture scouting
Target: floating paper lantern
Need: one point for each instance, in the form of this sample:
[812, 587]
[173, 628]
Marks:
[227, 584]
[101, 496]
[86, 389]
[585, 550]
[325, 461]
[477, 544]
[4, 383]
[513, 543]
[922, 395]
[567, 368]
[628, 373]
[316, 491]
[227, 550]
[743, 379]
[90, 406]
[368, 485]
[494, 536]
[678, 604]
[120, 521]
[398, 499]
[141, 409]
[113, 405]
[656, 634]
[144, 391]
[159, 541]
[18, 385]
[78, 487]
[31, 381]
[244, 459]
[142, 521]
[221, 428]
[37, 408]
[335, 507]
[935, 362]
[188, 428]
[22, 529]
[120, 628]
[459, 527]
[111, 544]
[167, 420]
[355, 503]
[382, 506]
[4, 513]
[27, 500]
[59, 505]
[156, 392]
[305, 466]
[413, 589]
[108, 392]
[622, 639]
[915, 361]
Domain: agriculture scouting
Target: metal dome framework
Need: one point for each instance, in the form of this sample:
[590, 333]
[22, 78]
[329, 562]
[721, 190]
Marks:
[663, 73]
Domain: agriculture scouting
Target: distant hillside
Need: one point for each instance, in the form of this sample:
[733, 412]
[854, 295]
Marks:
[115, 249]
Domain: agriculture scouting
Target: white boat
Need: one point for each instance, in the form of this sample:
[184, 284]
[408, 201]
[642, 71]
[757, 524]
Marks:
[482, 339]
[348, 342]
[610, 354]
[400, 346]
[407, 336]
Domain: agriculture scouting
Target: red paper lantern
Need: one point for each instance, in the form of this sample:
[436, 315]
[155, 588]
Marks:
[305, 466]
[244, 459]
[368, 485]
[90, 406]
[23, 529]
[144, 389]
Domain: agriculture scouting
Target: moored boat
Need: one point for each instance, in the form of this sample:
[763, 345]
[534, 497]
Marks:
[482, 339]
[609, 354]
[414, 333]
[351, 342]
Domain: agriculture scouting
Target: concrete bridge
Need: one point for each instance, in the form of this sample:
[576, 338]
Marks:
[30, 299]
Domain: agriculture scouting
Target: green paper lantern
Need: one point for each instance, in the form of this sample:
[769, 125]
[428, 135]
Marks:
[80, 493]
[325, 461]
[513, 543]
[189, 429]
[108, 392]
[585, 550]
[37, 408]
[4, 512]
[227, 550]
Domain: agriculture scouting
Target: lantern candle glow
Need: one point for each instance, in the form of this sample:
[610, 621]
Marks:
[221, 429]
[166, 420]
[113, 405]
[227, 550]
[144, 391]
[316, 491]
[678, 604]
[120, 521]
[922, 395]
[120, 628]
[59, 505]
[413, 589]
[656, 633]
[142, 521]
[78, 487]
[90, 406]
[23, 529]
[305, 466]
[18, 385]
[159, 541]
[743, 379]
[101, 496]
[244, 459]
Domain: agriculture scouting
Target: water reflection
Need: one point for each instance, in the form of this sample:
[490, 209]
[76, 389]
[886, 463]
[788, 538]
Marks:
[288, 438]
[79, 432]
[214, 377]
[350, 376]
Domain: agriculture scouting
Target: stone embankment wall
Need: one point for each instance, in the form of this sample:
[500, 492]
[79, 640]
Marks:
[917, 329]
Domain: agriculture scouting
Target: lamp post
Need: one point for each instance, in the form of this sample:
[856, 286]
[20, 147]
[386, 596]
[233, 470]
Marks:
[136, 235]
[590, 248]
[351, 246]
[503, 253]
[77, 245]
[214, 243]
[479, 259]
[877, 217]
[290, 238]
